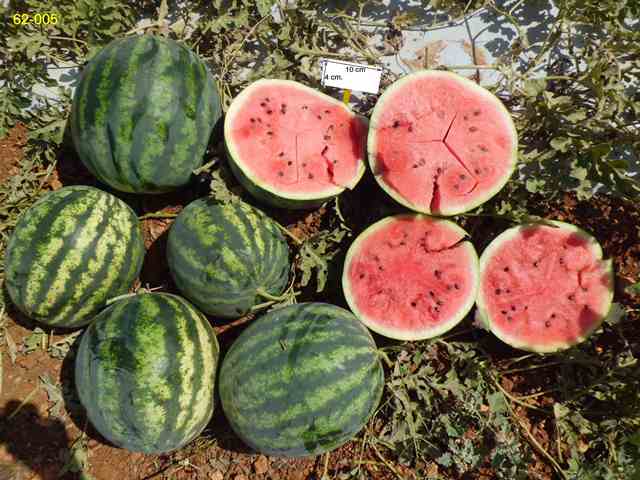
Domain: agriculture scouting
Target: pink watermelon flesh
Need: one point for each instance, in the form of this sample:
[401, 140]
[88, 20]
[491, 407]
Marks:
[442, 145]
[545, 287]
[411, 277]
[297, 141]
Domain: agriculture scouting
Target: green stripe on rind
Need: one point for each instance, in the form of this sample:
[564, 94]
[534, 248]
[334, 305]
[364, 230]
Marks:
[482, 311]
[145, 372]
[399, 333]
[55, 278]
[373, 137]
[267, 193]
[316, 415]
[217, 256]
[156, 107]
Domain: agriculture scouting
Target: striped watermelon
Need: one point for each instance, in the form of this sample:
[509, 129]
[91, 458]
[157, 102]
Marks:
[145, 372]
[70, 252]
[301, 380]
[227, 258]
[142, 114]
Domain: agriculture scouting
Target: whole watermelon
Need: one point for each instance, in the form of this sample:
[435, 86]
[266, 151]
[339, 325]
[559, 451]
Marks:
[145, 372]
[142, 114]
[301, 380]
[226, 258]
[70, 252]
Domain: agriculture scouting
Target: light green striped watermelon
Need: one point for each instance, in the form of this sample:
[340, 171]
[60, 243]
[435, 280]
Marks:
[441, 144]
[142, 114]
[70, 252]
[227, 258]
[301, 380]
[145, 372]
[544, 288]
[292, 146]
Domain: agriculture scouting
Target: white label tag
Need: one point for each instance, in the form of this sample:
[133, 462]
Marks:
[350, 76]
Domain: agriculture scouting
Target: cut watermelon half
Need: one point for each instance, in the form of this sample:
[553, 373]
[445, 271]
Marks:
[411, 276]
[544, 288]
[292, 146]
[441, 144]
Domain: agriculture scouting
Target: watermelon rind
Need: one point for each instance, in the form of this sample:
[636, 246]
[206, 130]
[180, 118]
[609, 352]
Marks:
[223, 257]
[268, 193]
[75, 248]
[373, 136]
[143, 112]
[145, 372]
[483, 316]
[399, 334]
[301, 380]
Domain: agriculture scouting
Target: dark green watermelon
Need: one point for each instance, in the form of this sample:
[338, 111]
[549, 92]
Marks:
[143, 112]
[145, 372]
[225, 258]
[70, 252]
[301, 380]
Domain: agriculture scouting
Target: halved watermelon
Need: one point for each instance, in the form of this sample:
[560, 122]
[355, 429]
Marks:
[439, 143]
[292, 146]
[544, 288]
[411, 276]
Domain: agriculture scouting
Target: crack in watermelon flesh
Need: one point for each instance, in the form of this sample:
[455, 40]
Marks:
[411, 276]
[476, 135]
[295, 140]
[544, 288]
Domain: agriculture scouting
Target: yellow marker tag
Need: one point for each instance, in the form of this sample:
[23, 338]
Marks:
[346, 96]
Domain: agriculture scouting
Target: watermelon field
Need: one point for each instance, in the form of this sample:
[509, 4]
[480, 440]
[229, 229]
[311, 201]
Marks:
[221, 260]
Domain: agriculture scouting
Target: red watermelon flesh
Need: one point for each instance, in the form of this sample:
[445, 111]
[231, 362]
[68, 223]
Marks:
[294, 141]
[544, 288]
[441, 144]
[411, 277]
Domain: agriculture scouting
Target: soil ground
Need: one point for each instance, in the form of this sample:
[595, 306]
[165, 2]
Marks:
[38, 427]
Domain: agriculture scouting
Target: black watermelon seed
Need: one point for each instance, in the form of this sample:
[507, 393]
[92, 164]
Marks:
[262, 104]
[571, 297]
[477, 171]
[431, 294]
[438, 170]
[281, 154]
[535, 264]
[449, 287]
[304, 107]
[466, 117]
[456, 286]
[439, 302]
[414, 165]
[413, 304]
[281, 174]
[269, 112]
[319, 117]
[289, 162]
[498, 291]
[547, 323]
[380, 267]
[476, 112]
[462, 176]
[437, 273]
[410, 128]
[553, 315]
[304, 164]
[506, 269]
[456, 186]
[396, 124]
[483, 148]
[473, 129]
[253, 120]
[327, 111]
[513, 308]
[327, 137]
[310, 176]
[504, 312]
[362, 275]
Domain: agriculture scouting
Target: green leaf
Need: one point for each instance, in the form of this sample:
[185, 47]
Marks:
[497, 403]
[560, 143]
[533, 87]
[633, 289]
